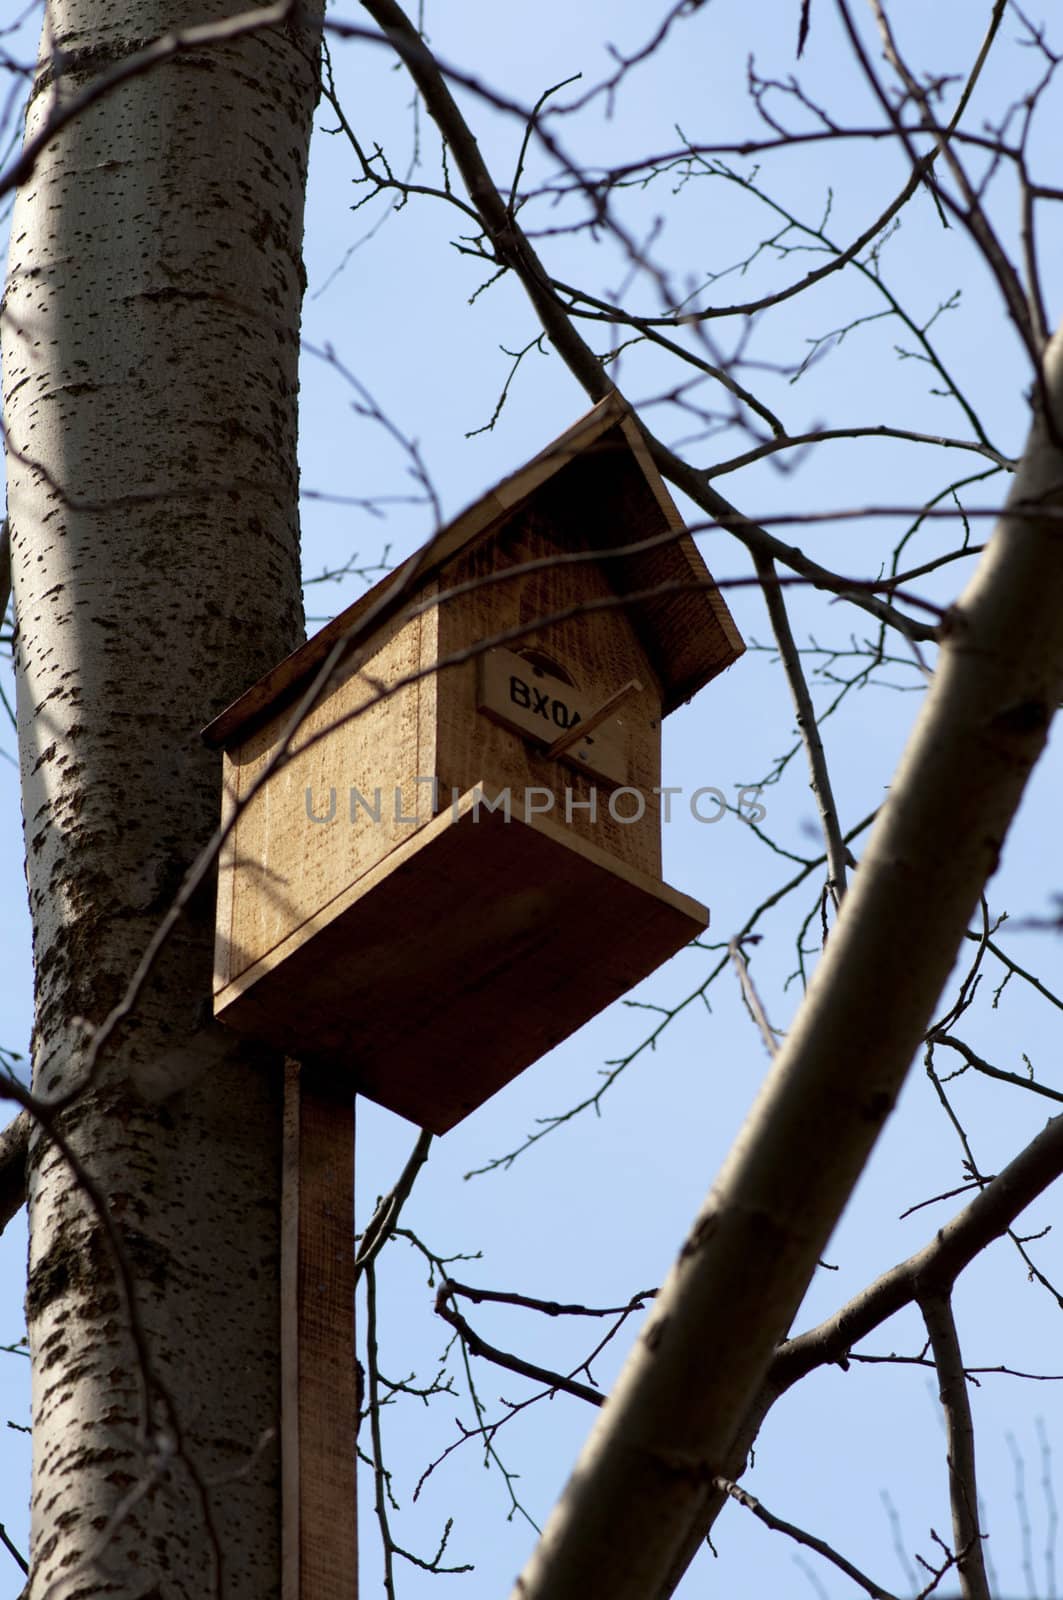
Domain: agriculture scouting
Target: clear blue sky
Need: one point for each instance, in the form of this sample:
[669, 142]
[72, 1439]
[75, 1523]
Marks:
[596, 1210]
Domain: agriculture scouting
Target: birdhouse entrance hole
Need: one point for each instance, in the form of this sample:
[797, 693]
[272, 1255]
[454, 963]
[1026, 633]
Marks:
[546, 666]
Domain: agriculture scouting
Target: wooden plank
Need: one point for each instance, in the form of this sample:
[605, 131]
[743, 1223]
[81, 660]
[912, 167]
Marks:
[594, 723]
[631, 431]
[362, 774]
[290, 1337]
[223, 921]
[525, 698]
[319, 1416]
[465, 956]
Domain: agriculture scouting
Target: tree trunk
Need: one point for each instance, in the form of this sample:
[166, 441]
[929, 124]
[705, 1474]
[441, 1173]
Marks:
[642, 1494]
[150, 366]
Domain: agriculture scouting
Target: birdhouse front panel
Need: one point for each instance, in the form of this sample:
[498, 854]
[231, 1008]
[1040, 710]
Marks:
[503, 708]
[456, 861]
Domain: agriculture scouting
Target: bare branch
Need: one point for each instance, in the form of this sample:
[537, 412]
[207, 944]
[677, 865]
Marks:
[5, 566]
[12, 1549]
[752, 998]
[963, 1485]
[988, 1070]
[502, 1358]
[808, 727]
[937, 1266]
[549, 1308]
[513, 249]
[800, 1536]
[385, 1218]
[13, 1143]
[772, 447]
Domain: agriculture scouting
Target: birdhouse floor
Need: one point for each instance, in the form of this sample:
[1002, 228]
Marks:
[471, 950]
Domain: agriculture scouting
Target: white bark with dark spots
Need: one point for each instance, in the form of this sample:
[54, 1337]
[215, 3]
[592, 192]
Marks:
[150, 370]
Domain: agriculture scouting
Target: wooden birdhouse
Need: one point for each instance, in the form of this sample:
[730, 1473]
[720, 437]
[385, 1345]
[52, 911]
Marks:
[458, 861]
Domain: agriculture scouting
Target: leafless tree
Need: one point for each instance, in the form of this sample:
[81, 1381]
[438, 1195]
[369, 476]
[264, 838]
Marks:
[152, 1131]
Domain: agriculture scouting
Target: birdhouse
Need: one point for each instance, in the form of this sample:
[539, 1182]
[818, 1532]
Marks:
[445, 851]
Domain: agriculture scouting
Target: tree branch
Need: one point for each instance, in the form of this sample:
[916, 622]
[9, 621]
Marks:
[808, 727]
[5, 566]
[956, 1405]
[513, 249]
[934, 1269]
[502, 1358]
[800, 1536]
[13, 1142]
[987, 1069]
[752, 999]
[383, 1222]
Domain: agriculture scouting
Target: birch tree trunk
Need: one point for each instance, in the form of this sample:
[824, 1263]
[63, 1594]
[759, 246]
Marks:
[150, 347]
[639, 1500]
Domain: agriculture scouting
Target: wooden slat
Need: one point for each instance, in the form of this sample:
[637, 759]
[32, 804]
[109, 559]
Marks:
[223, 922]
[290, 1337]
[290, 865]
[502, 673]
[319, 1415]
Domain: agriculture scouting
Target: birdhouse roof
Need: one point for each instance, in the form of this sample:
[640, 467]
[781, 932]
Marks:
[601, 477]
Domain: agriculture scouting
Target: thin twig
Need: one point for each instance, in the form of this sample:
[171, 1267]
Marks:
[380, 1483]
[5, 566]
[808, 727]
[12, 1549]
[989, 1071]
[385, 1217]
[751, 997]
[549, 1308]
[800, 1536]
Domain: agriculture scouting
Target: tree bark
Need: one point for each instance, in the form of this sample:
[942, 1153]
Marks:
[150, 369]
[638, 1501]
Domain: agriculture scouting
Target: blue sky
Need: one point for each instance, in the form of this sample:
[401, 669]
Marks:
[597, 1209]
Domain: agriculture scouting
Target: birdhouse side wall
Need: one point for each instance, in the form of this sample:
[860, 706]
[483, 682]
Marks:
[592, 645]
[345, 798]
